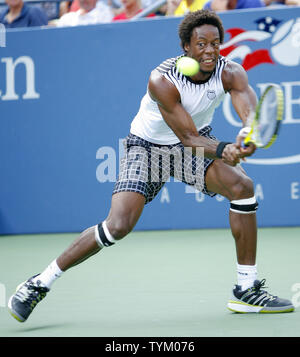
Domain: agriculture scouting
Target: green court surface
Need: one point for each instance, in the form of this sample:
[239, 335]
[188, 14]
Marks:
[158, 284]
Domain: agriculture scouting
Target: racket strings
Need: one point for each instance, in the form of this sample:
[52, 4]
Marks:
[268, 116]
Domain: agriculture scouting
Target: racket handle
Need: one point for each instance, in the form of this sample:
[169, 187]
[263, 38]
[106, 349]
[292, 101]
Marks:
[244, 132]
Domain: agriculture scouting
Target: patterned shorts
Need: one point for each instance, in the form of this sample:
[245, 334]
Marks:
[146, 167]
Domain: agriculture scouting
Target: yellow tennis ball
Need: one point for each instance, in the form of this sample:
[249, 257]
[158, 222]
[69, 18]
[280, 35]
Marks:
[187, 66]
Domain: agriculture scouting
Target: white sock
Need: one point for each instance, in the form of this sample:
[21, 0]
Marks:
[246, 274]
[49, 275]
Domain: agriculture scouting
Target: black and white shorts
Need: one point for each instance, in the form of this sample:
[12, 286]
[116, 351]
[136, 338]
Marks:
[146, 167]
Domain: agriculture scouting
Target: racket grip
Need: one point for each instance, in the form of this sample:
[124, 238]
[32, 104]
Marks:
[244, 133]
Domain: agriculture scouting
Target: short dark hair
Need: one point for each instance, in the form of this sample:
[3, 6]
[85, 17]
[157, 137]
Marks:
[196, 19]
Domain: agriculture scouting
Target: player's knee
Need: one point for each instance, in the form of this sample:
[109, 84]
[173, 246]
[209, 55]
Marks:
[107, 235]
[243, 188]
[119, 228]
[244, 201]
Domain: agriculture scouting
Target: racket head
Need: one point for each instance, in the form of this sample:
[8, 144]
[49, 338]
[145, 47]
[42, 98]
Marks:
[268, 117]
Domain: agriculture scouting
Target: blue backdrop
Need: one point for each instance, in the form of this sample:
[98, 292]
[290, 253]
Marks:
[68, 96]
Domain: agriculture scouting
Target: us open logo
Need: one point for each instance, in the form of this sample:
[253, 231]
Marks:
[273, 42]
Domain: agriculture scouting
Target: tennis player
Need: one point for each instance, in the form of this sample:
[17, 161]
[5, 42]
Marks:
[175, 114]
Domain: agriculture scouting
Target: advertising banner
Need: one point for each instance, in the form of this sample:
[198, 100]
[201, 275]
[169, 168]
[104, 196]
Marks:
[68, 96]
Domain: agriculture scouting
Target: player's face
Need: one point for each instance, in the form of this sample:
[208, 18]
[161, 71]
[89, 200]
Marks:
[204, 47]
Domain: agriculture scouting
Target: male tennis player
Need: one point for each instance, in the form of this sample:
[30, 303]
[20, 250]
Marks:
[175, 114]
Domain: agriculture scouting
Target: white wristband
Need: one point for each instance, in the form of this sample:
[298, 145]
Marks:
[244, 131]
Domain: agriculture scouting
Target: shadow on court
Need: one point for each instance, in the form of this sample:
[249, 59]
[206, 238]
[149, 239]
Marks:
[23, 329]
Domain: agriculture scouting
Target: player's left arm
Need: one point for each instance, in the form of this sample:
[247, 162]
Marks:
[243, 97]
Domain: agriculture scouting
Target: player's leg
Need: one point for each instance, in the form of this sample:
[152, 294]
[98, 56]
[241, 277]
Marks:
[126, 208]
[132, 191]
[237, 187]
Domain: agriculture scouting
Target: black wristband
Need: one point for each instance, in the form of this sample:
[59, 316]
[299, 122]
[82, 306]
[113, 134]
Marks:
[220, 148]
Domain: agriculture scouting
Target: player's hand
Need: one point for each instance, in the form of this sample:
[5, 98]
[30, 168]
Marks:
[231, 155]
[244, 151]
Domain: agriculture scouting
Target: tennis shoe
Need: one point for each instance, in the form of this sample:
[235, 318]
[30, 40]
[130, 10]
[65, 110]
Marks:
[257, 300]
[25, 299]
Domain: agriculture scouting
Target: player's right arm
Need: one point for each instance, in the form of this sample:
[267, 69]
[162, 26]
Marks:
[167, 97]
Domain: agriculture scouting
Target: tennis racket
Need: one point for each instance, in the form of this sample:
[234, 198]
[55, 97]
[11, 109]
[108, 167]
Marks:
[267, 119]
